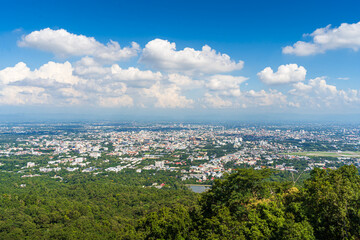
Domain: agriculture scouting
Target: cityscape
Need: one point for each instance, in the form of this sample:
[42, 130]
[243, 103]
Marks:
[197, 153]
[180, 120]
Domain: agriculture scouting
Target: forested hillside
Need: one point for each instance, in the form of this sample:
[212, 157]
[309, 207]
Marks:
[246, 204]
[84, 207]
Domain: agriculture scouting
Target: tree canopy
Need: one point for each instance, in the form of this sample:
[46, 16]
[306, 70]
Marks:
[247, 204]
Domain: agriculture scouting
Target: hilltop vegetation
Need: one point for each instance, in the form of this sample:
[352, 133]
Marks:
[85, 207]
[246, 204]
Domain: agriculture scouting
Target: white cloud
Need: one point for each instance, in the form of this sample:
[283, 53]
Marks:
[300, 87]
[324, 39]
[23, 95]
[59, 72]
[167, 97]
[94, 84]
[70, 96]
[51, 71]
[263, 98]
[216, 102]
[48, 73]
[184, 81]
[114, 88]
[246, 99]
[301, 48]
[161, 54]
[122, 101]
[317, 86]
[90, 84]
[89, 67]
[294, 104]
[318, 94]
[64, 44]
[13, 74]
[286, 74]
[70, 92]
[224, 82]
[92, 81]
[52, 82]
[132, 74]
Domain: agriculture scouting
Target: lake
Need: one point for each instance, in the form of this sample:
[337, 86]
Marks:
[198, 188]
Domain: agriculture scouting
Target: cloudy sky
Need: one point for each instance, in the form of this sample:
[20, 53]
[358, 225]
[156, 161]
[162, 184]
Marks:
[228, 58]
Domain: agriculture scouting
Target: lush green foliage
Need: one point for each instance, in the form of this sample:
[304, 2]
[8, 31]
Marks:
[247, 204]
[82, 208]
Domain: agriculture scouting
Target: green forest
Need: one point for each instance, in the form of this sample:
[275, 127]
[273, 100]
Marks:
[247, 204]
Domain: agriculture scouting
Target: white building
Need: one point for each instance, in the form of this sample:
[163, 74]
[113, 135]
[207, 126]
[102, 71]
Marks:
[30, 164]
[159, 164]
[95, 154]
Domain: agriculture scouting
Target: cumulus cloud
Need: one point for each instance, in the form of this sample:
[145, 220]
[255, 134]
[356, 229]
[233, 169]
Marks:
[216, 101]
[285, 74]
[352, 96]
[184, 81]
[23, 95]
[246, 99]
[324, 39]
[52, 82]
[89, 67]
[70, 92]
[59, 72]
[122, 101]
[318, 93]
[132, 74]
[263, 98]
[203, 73]
[113, 88]
[13, 74]
[56, 82]
[318, 86]
[69, 96]
[226, 84]
[51, 71]
[64, 44]
[161, 54]
[167, 96]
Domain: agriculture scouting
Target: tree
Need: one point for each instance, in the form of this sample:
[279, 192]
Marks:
[332, 203]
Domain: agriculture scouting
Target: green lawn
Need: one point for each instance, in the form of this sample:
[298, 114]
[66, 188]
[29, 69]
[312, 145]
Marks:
[326, 154]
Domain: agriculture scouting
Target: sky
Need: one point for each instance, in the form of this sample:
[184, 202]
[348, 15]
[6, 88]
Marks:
[180, 59]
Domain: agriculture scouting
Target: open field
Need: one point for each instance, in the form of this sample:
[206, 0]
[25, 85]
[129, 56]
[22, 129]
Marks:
[326, 154]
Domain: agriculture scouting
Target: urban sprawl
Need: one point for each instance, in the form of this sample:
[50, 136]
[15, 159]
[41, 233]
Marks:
[197, 153]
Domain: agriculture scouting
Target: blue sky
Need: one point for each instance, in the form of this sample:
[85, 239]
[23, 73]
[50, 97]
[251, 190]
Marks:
[277, 58]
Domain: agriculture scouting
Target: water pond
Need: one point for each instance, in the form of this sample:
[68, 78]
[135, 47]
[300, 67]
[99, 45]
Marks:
[198, 188]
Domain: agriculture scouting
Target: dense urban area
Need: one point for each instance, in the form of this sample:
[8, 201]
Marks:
[194, 152]
[134, 173]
